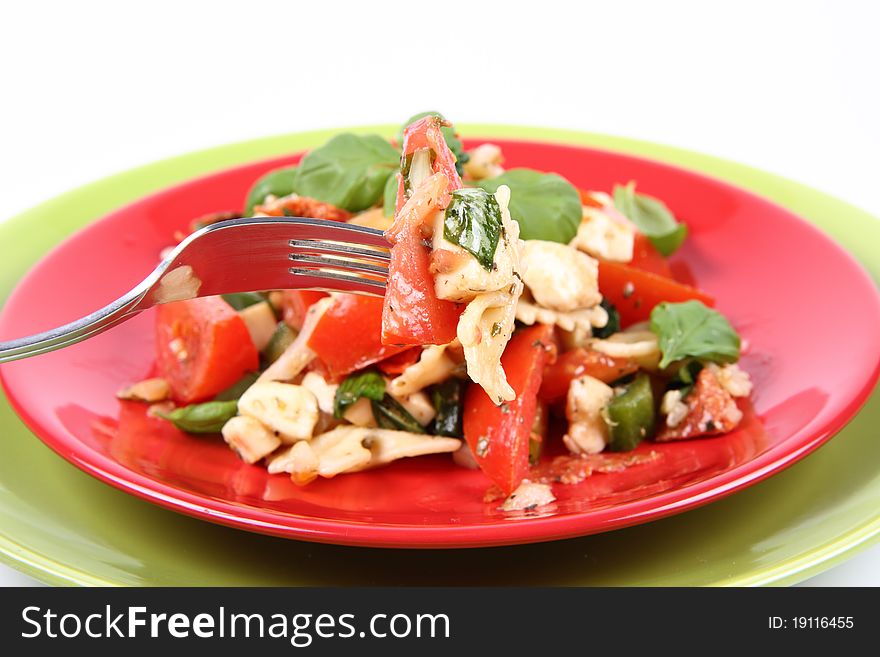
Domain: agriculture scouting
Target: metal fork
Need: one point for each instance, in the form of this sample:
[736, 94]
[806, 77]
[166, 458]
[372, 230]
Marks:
[239, 255]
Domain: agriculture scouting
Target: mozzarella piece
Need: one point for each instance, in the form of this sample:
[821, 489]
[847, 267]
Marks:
[261, 323]
[360, 413]
[484, 162]
[249, 438]
[529, 495]
[559, 277]
[604, 237]
[433, 366]
[673, 408]
[325, 393]
[585, 405]
[733, 379]
[288, 410]
[418, 405]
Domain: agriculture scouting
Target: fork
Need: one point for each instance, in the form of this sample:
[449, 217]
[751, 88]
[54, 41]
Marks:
[238, 255]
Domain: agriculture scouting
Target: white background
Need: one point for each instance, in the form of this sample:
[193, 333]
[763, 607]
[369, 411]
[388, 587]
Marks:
[88, 89]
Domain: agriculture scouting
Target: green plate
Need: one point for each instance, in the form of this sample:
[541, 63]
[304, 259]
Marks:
[64, 527]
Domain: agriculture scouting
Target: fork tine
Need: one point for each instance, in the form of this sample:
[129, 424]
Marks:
[343, 264]
[316, 247]
[327, 281]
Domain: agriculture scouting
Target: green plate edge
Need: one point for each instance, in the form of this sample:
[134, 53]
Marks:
[37, 230]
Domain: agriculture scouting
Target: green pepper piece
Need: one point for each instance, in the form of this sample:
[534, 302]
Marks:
[279, 182]
[448, 399]
[281, 339]
[631, 415]
[242, 300]
[389, 414]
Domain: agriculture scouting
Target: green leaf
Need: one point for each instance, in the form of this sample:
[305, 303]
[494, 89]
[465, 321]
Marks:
[202, 418]
[691, 330]
[389, 414]
[449, 136]
[369, 384]
[389, 197]
[242, 300]
[448, 400]
[279, 182]
[651, 217]
[237, 389]
[546, 205]
[473, 221]
[613, 325]
[349, 171]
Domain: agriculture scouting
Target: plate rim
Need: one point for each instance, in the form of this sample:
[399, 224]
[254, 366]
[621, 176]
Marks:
[845, 545]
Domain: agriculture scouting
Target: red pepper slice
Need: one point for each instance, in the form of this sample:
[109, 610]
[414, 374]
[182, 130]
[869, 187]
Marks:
[499, 435]
[346, 337]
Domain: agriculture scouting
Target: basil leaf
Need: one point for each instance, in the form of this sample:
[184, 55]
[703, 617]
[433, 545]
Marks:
[448, 399]
[651, 217]
[349, 171]
[473, 221]
[389, 197]
[202, 418]
[389, 414]
[241, 300]
[546, 205]
[279, 182]
[452, 141]
[691, 330]
[613, 325]
[369, 384]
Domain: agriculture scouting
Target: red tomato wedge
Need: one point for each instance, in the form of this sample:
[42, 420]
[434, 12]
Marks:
[579, 362]
[499, 435]
[203, 347]
[635, 292]
[296, 303]
[397, 363]
[412, 313]
[347, 335]
[647, 258]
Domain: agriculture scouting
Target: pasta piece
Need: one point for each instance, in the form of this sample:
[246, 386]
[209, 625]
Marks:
[559, 277]
[433, 366]
[249, 438]
[529, 495]
[149, 390]
[637, 344]
[484, 162]
[290, 411]
[298, 354]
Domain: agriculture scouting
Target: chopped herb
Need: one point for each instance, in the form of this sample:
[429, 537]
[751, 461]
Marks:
[691, 330]
[497, 327]
[473, 221]
[651, 217]
[369, 384]
[390, 414]
[208, 417]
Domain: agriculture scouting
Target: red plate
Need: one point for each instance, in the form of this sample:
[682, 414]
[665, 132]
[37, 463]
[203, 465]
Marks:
[809, 315]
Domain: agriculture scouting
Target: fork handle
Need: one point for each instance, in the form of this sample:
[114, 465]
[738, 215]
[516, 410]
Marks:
[99, 321]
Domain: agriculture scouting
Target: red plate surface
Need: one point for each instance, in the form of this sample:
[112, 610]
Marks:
[809, 316]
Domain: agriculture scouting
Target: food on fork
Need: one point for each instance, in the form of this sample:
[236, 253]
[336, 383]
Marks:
[515, 303]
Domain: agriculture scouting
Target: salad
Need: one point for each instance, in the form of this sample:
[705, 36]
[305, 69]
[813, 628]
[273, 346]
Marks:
[531, 330]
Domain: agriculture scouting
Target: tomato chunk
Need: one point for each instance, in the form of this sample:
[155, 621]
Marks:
[413, 315]
[346, 337]
[648, 258]
[203, 347]
[579, 362]
[711, 411]
[397, 363]
[635, 292]
[499, 435]
[296, 303]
